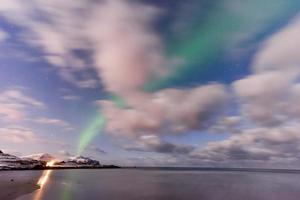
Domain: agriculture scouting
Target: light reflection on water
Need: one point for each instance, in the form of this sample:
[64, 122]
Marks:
[42, 183]
[43, 180]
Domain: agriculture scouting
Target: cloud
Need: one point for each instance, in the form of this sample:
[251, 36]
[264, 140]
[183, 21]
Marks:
[130, 53]
[96, 149]
[3, 35]
[80, 80]
[64, 153]
[23, 134]
[18, 95]
[268, 95]
[14, 104]
[280, 52]
[263, 95]
[55, 122]
[125, 52]
[268, 100]
[69, 32]
[153, 160]
[125, 33]
[17, 134]
[256, 144]
[266, 133]
[227, 124]
[17, 108]
[152, 143]
[59, 30]
[166, 111]
[71, 97]
[113, 42]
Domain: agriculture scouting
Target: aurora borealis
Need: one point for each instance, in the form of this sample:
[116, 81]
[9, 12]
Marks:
[150, 82]
[212, 36]
[90, 133]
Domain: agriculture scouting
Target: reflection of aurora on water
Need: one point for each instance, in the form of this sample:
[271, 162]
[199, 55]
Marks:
[42, 182]
[67, 189]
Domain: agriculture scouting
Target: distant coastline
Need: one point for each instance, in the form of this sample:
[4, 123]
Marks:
[229, 169]
[48, 162]
[61, 168]
[215, 169]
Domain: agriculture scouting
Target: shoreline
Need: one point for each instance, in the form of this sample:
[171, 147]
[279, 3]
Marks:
[225, 169]
[61, 168]
[261, 170]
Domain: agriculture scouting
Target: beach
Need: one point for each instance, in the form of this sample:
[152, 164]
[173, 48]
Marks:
[17, 183]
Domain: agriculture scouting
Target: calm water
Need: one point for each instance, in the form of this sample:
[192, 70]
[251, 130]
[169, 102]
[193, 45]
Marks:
[137, 184]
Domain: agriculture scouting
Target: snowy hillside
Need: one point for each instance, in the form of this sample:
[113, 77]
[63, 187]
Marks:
[8, 161]
[41, 157]
[79, 161]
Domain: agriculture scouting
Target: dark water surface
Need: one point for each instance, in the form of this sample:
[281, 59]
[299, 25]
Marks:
[138, 184]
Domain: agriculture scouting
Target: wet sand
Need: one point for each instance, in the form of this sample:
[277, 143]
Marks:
[17, 183]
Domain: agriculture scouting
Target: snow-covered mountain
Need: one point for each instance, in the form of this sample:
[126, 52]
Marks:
[39, 161]
[41, 157]
[84, 161]
[79, 161]
[8, 161]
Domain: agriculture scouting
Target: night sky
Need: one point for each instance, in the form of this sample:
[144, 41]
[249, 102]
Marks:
[155, 83]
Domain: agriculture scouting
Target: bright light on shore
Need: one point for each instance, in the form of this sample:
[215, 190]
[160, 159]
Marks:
[43, 180]
[50, 163]
[45, 176]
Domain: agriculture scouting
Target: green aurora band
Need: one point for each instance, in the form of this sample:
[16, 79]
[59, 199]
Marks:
[93, 129]
[96, 125]
[211, 36]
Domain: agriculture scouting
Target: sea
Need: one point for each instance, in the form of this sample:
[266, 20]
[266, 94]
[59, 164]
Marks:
[151, 184]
